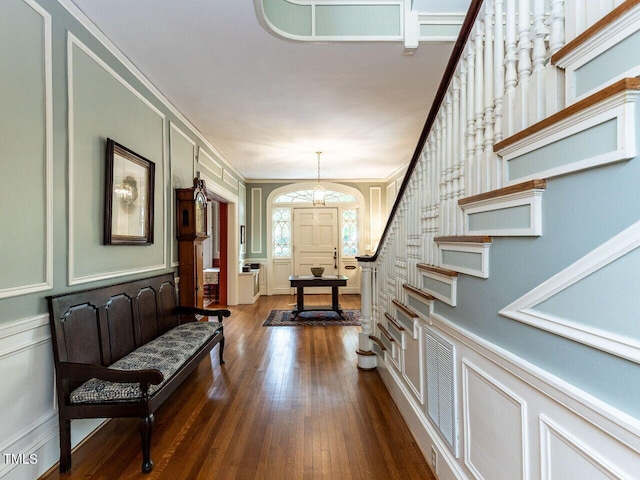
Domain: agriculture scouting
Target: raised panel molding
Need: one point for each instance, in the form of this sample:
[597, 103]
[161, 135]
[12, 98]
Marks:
[562, 455]
[523, 309]
[74, 278]
[256, 220]
[229, 179]
[469, 258]
[174, 130]
[530, 201]
[47, 164]
[618, 106]
[207, 161]
[495, 431]
[25, 346]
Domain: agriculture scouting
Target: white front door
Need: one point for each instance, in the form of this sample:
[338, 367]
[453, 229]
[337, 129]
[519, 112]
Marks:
[315, 241]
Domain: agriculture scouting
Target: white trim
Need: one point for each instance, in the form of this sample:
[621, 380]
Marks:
[523, 308]
[418, 390]
[376, 218]
[270, 27]
[615, 423]
[617, 31]
[218, 168]
[549, 428]
[74, 279]
[415, 415]
[531, 198]
[501, 389]
[256, 220]
[233, 241]
[22, 334]
[229, 180]
[447, 279]
[172, 233]
[476, 248]
[110, 46]
[620, 107]
[47, 283]
[363, 217]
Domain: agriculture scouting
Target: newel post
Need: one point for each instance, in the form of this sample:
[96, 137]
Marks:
[366, 358]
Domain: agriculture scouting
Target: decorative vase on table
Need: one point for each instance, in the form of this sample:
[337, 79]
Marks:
[317, 271]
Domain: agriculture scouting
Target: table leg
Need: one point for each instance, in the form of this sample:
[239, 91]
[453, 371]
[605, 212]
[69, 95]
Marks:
[335, 306]
[299, 301]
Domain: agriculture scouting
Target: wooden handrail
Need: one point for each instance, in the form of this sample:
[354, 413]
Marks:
[449, 71]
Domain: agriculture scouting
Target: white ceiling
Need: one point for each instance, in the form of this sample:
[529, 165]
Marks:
[268, 104]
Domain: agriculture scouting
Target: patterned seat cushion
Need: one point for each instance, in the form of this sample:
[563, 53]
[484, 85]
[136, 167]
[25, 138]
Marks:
[166, 353]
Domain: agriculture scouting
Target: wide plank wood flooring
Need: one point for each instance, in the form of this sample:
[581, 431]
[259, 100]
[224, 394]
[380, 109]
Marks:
[289, 403]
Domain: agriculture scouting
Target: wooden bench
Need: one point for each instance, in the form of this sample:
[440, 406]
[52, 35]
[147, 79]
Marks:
[122, 350]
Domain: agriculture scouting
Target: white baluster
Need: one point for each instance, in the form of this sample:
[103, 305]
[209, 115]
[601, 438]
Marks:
[448, 110]
[537, 97]
[462, 131]
[479, 109]
[498, 91]
[524, 63]
[488, 183]
[511, 74]
[556, 26]
[455, 153]
[498, 68]
[471, 126]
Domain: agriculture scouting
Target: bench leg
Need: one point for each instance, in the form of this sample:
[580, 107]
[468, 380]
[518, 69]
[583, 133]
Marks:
[65, 445]
[221, 351]
[146, 427]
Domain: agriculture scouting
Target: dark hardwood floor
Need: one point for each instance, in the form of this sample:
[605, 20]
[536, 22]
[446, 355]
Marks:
[289, 403]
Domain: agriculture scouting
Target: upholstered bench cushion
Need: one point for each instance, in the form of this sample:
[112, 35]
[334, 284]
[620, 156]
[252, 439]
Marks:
[166, 353]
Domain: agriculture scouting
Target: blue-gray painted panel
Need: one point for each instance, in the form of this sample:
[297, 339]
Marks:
[23, 242]
[468, 260]
[501, 219]
[574, 148]
[419, 306]
[613, 62]
[436, 286]
[606, 299]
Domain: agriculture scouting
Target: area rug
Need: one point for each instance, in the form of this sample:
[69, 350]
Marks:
[283, 318]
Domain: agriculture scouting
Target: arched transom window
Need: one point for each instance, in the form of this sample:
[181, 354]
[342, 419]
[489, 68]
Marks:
[306, 196]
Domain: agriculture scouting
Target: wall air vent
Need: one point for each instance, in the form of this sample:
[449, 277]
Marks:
[441, 387]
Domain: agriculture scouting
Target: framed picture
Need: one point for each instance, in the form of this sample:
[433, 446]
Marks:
[242, 234]
[129, 194]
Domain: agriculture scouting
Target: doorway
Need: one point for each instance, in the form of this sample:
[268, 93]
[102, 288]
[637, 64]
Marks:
[215, 253]
[315, 240]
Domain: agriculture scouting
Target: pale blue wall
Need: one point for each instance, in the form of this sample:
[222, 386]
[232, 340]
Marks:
[581, 211]
[100, 107]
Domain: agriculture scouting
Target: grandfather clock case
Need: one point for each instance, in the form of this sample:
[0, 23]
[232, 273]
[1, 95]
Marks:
[192, 230]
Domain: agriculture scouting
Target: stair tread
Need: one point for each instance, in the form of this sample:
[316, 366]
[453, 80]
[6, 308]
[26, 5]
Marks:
[432, 268]
[502, 192]
[464, 239]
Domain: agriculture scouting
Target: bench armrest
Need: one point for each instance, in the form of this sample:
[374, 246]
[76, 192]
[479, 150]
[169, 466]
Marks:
[84, 371]
[181, 310]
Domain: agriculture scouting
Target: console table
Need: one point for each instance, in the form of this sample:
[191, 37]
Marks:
[301, 281]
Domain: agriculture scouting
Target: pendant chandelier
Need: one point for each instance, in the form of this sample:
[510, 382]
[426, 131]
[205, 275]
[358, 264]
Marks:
[318, 192]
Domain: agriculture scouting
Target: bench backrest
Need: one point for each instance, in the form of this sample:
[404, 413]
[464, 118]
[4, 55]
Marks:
[102, 325]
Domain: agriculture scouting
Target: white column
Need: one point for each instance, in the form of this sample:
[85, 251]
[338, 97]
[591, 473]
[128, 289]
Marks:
[366, 358]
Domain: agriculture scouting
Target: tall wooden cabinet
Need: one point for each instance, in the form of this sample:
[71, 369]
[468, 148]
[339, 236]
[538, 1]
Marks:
[191, 212]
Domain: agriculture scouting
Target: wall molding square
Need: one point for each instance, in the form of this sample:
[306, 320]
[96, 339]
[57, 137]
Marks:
[470, 258]
[448, 283]
[528, 222]
[618, 109]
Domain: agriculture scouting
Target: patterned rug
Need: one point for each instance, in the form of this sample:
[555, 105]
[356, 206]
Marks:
[282, 318]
